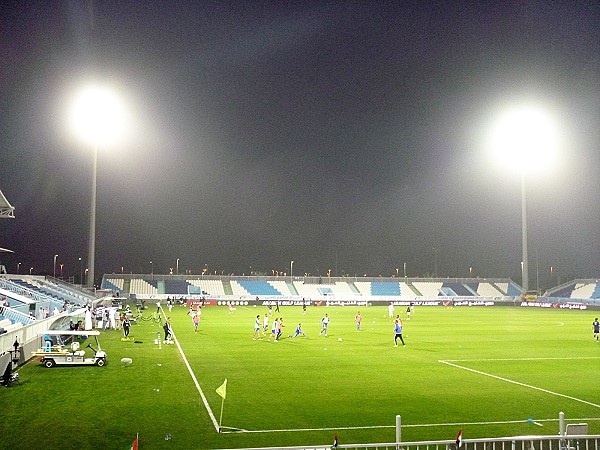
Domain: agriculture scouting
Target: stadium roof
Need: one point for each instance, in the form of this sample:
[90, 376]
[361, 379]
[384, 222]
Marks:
[6, 211]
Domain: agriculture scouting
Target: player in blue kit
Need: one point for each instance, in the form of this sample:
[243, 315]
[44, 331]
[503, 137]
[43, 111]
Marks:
[358, 320]
[257, 326]
[298, 332]
[274, 329]
[398, 332]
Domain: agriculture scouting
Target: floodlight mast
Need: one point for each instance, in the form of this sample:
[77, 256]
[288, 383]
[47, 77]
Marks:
[92, 235]
[525, 136]
[97, 116]
[525, 274]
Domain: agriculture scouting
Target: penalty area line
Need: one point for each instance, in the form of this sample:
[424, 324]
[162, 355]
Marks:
[518, 383]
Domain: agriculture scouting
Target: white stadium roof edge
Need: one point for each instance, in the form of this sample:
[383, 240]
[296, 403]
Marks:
[7, 211]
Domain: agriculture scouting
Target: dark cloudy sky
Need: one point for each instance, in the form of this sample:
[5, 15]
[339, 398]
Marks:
[341, 135]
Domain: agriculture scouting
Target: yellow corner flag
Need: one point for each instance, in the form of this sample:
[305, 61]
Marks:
[222, 390]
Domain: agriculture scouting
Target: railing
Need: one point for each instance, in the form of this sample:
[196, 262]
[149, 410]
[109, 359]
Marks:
[574, 442]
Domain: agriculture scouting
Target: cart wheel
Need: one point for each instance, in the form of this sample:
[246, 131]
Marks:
[101, 362]
[49, 363]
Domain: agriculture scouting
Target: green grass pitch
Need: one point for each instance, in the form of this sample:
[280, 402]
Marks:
[483, 370]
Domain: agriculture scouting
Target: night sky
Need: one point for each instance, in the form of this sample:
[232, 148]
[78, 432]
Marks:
[341, 135]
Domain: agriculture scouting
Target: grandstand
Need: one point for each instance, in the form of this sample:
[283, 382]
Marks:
[232, 288]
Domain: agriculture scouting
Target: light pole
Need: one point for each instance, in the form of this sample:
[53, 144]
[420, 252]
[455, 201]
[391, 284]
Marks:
[292, 270]
[61, 271]
[54, 270]
[18, 267]
[177, 267]
[151, 268]
[525, 262]
[524, 137]
[30, 270]
[80, 272]
[97, 117]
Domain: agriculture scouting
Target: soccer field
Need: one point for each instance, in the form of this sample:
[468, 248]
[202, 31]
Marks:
[486, 371]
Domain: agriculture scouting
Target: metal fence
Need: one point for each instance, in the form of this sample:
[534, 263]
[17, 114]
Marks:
[572, 442]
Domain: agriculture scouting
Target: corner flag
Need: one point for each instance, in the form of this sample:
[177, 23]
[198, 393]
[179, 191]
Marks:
[459, 439]
[222, 390]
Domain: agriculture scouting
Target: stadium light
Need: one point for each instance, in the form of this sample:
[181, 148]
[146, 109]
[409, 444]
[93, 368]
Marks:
[524, 138]
[292, 270]
[97, 117]
[18, 267]
[54, 270]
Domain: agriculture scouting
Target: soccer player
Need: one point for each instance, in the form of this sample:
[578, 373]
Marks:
[398, 332]
[168, 331]
[408, 310]
[274, 329]
[298, 332]
[265, 324]
[596, 326]
[126, 326]
[303, 306]
[279, 329]
[324, 325]
[391, 310]
[256, 334]
[358, 320]
[196, 322]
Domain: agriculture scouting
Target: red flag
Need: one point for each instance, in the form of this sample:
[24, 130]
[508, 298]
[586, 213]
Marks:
[459, 439]
[134, 446]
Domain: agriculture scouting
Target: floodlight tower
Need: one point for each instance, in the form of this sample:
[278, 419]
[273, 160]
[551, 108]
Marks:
[525, 137]
[97, 117]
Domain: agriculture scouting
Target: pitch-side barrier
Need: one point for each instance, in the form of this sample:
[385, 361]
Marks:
[572, 442]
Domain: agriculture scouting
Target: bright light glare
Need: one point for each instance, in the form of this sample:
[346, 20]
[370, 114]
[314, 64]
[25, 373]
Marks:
[525, 138]
[98, 116]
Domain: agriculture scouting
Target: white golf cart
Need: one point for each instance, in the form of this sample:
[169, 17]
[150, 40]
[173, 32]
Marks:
[57, 351]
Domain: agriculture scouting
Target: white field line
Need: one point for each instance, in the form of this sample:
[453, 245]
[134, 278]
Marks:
[206, 405]
[518, 382]
[569, 358]
[418, 425]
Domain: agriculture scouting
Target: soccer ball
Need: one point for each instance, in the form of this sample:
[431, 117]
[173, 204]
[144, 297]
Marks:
[340, 339]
